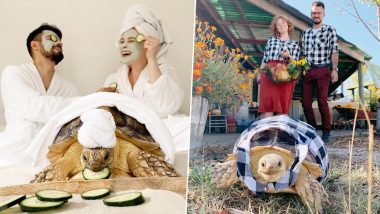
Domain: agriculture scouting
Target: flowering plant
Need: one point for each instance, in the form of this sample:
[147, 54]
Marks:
[218, 73]
[283, 73]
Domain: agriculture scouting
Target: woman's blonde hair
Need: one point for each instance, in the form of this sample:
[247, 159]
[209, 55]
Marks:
[275, 20]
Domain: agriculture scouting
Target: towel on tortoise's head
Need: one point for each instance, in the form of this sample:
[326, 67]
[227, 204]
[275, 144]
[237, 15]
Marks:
[98, 129]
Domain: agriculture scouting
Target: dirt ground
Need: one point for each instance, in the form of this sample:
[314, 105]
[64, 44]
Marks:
[239, 199]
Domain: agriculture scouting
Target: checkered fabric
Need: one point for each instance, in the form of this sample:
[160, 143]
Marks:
[306, 140]
[318, 47]
[275, 46]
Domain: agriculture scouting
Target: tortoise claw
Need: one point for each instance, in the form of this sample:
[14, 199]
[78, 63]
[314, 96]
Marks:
[50, 173]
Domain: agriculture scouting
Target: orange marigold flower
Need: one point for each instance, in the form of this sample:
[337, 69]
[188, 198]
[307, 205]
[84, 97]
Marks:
[244, 86]
[208, 88]
[237, 49]
[197, 73]
[199, 89]
[246, 57]
[219, 41]
[213, 28]
[200, 45]
[251, 75]
[220, 81]
[199, 30]
[226, 50]
[197, 66]
[244, 72]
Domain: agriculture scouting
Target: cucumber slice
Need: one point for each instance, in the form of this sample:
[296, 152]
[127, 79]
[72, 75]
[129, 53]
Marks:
[126, 199]
[32, 204]
[95, 194]
[90, 175]
[53, 195]
[139, 37]
[11, 202]
[113, 85]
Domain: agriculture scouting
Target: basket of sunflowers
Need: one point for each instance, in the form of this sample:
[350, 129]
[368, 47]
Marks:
[285, 73]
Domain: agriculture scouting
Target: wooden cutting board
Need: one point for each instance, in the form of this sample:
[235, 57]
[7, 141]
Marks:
[174, 184]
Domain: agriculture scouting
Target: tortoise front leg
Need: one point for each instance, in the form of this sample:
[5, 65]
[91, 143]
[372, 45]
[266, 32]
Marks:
[62, 169]
[143, 164]
[224, 175]
[312, 193]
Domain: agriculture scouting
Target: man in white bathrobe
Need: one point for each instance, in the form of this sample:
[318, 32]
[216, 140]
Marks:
[32, 93]
[145, 74]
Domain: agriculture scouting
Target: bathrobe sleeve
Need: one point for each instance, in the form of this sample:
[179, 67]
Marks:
[22, 99]
[165, 96]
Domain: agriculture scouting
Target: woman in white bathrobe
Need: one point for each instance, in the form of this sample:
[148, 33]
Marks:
[145, 74]
[32, 93]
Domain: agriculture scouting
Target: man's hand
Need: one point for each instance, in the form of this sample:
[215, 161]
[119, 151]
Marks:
[108, 89]
[334, 76]
[152, 46]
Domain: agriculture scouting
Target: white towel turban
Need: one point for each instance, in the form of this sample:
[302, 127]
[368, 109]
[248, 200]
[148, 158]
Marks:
[146, 22]
[98, 129]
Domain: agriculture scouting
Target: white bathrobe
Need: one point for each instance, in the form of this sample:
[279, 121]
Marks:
[28, 106]
[165, 96]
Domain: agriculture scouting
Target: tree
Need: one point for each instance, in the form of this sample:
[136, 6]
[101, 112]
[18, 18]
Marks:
[355, 13]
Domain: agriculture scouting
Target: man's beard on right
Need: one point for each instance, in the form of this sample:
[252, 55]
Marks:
[316, 21]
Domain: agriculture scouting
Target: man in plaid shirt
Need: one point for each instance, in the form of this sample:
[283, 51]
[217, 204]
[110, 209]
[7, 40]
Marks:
[320, 47]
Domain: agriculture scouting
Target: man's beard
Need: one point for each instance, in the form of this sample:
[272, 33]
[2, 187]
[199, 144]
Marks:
[316, 21]
[55, 57]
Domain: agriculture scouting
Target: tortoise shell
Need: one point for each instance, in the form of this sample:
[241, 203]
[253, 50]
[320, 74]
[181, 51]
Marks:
[278, 138]
[125, 124]
[127, 127]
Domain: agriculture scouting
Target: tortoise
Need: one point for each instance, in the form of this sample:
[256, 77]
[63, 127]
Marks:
[135, 153]
[272, 163]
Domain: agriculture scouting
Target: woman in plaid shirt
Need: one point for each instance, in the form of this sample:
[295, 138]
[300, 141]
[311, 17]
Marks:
[280, 49]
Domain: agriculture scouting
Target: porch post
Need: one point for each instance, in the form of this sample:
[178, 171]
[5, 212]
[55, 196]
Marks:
[360, 81]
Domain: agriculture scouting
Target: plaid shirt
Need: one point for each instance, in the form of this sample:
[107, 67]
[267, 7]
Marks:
[318, 47]
[275, 46]
[307, 140]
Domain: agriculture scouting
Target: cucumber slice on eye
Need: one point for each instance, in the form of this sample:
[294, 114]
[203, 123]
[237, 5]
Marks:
[53, 195]
[139, 37]
[90, 175]
[32, 204]
[113, 85]
[53, 38]
[11, 202]
[124, 200]
[95, 194]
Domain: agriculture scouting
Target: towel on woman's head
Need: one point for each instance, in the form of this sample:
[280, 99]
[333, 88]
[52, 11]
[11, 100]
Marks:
[146, 22]
[98, 129]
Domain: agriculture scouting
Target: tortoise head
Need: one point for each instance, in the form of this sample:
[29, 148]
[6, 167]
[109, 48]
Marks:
[97, 159]
[271, 167]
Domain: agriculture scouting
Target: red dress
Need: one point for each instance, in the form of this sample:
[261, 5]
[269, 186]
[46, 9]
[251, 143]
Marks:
[275, 97]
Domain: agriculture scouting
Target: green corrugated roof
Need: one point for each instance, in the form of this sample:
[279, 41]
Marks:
[227, 9]
[253, 13]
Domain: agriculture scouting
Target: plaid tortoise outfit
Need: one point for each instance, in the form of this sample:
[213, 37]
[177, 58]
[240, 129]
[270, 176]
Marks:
[306, 140]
